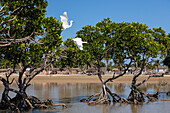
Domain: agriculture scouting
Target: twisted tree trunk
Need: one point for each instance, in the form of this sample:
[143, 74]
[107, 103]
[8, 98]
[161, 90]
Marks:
[106, 96]
[22, 101]
[136, 96]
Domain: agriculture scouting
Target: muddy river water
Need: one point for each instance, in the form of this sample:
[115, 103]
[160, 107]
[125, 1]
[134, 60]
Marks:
[70, 94]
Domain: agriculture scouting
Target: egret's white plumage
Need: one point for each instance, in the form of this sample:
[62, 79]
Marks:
[79, 43]
[64, 20]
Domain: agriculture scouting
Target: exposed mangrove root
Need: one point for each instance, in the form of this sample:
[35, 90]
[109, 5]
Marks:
[98, 98]
[22, 101]
[138, 97]
[47, 104]
[152, 97]
[63, 105]
[105, 97]
[17, 105]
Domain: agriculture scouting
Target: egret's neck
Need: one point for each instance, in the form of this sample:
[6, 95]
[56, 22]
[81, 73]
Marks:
[71, 22]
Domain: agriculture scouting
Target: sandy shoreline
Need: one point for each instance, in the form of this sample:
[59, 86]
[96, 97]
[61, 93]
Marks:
[94, 79]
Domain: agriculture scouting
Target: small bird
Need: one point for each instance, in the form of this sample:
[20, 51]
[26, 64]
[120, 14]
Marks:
[79, 43]
[64, 20]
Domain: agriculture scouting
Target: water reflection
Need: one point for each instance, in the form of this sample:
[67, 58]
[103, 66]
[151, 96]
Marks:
[119, 88]
[72, 93]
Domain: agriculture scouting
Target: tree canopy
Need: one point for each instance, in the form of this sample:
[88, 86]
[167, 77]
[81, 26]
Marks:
[123, 41]
[26, 33]
[29, 41]
[128, 45]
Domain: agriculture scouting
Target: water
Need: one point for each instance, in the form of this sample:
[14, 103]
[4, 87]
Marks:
[70, 94]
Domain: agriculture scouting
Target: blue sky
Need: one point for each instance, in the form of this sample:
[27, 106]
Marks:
[154, 13]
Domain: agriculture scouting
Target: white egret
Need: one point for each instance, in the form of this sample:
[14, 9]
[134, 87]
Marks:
[64, 20]
[79, 43]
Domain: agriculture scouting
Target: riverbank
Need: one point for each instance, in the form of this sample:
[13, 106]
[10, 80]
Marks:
[93, 79]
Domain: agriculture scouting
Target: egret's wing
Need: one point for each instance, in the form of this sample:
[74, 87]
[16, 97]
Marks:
[65, 17]
[64, 20]
[65, 14]
[80, 46]
[75, 41]
[78, 42]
